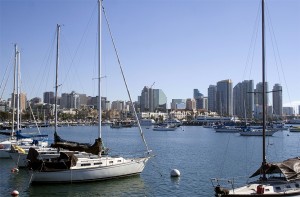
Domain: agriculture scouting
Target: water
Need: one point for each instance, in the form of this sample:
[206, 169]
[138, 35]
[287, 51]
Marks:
[198, 153]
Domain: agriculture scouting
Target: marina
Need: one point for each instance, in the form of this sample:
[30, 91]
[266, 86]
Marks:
[184, 149]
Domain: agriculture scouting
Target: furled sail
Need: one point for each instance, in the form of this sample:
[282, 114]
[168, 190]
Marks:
[95, 149]
[290, 168]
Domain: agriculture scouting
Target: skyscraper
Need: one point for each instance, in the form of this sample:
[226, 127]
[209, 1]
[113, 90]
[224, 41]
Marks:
[259, 92]
[243, 99]
[277, 100]
[212, 98]
[48, 97]
[224, 98]
[153, 100]
[199, 99]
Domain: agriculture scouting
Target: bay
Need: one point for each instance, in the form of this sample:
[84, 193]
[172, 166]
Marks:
[198, 153]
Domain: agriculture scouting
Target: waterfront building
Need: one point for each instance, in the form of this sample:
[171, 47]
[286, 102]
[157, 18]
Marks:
[224, 98]
[153, 100]
[178, 104]
[243, 99]
[258, 94]
[159, 100]
[117, 105]
[22, 101]
[35, 100]
[277, 100]
[69, 101]
[190, 104]
[288, 111]
[82, 99]
[3, 106]
[212, 98]
[48, 97]
[205, 103]
[199, 99]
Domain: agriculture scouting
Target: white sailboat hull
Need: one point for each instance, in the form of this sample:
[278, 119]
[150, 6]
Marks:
[109, 168]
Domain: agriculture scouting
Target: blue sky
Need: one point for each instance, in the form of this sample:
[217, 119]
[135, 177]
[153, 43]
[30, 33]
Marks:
[180, 45]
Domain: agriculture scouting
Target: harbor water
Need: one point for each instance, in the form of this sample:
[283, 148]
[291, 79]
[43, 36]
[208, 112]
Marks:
[198, 153]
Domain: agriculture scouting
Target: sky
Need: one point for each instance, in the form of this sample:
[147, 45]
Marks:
[174, 45]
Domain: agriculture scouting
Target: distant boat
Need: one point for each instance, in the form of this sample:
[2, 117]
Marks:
[165, 127]
[228, 129]
[257, 132]
[147, 122]
[172, 121]
[284, 177]
[295, 129]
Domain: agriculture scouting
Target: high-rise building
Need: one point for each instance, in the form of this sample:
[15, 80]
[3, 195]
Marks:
[212, 98]
[190, 104]
[199, 99]
[48, 97]
[243, 99]
[259, 92]
[153, 100]
[288, 111]
[224, 98]
[159, 100]
[22, 101]
[277, 100]
[117, 105]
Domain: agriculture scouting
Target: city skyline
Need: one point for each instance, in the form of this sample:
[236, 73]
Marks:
[206, 42]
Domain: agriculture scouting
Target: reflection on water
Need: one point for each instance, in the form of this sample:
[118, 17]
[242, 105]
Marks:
[131, 186]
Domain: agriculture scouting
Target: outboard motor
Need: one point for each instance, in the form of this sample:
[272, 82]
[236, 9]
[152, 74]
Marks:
[219, 191]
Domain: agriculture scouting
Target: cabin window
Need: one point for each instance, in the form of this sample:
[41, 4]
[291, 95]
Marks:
[119, 160]
[111, 162]
[278, 188]
[86, 164]
[288, 186]
[267, 190]
[98, 163]
[297, 185]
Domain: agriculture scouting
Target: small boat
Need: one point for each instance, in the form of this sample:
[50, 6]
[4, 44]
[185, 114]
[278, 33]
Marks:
[165, 127]
[228, 129]
[295, 129]
[256, 132]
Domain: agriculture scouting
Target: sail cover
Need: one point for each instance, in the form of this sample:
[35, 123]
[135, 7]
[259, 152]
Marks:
[290, 168]
[95, 149]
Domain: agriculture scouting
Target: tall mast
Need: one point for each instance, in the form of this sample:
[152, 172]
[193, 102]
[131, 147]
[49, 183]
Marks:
[18, 90]
[56, 76]
[99, 66]
[264, 89]
[14, 93]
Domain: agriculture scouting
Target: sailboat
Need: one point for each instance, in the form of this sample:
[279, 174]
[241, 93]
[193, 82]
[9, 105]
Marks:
[16, 136]
[70, 168]
[283, 177]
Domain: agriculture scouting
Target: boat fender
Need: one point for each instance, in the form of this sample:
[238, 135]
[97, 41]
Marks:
[15, 193]
[14, 170]
[1, 146]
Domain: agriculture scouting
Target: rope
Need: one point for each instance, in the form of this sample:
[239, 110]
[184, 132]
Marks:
[120, 66]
